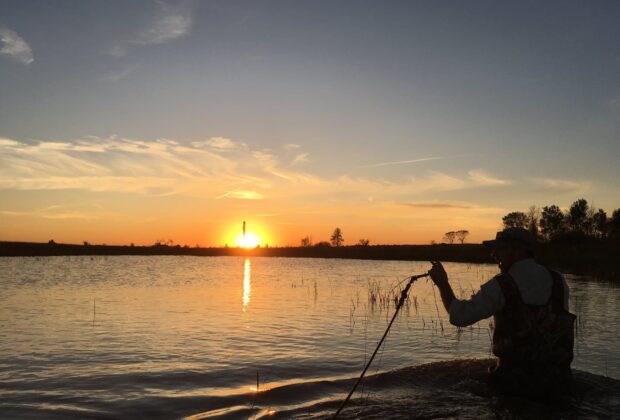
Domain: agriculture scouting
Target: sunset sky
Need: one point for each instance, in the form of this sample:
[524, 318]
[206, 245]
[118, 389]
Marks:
[396, 121]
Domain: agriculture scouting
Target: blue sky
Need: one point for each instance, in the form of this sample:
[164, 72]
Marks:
[370, 115]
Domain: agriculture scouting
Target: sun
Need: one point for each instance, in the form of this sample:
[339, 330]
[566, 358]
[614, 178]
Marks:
[250, 240]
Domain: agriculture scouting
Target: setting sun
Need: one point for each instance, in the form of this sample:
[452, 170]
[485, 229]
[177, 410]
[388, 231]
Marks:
[250, 240]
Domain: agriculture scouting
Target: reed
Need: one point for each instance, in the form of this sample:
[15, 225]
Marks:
[437, 309]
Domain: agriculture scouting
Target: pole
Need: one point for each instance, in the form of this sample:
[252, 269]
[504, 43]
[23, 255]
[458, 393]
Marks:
[401, 301]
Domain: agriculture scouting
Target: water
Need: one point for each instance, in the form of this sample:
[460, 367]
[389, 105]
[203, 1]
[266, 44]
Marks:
[191, 336]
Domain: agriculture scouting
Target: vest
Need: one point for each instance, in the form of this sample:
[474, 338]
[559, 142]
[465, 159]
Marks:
[538, 337]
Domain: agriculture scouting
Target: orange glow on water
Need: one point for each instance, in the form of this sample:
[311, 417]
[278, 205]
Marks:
[247, 286]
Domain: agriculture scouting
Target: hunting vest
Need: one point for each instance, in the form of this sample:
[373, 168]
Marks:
[534, 336]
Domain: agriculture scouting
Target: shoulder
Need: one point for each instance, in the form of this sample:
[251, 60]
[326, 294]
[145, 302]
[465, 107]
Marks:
[529, 269]
[492, 289]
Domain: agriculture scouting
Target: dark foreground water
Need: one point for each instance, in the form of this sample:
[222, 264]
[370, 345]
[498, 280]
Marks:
[170, 337]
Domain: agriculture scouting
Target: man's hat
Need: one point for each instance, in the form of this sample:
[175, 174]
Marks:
[511, 237]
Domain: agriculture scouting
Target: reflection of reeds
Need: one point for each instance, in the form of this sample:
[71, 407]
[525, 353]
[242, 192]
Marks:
[316, 290]
[352, 316]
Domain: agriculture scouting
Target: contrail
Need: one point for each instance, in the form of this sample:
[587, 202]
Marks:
[402, 162]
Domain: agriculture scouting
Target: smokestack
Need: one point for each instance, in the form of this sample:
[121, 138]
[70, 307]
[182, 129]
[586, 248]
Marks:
[244, 229]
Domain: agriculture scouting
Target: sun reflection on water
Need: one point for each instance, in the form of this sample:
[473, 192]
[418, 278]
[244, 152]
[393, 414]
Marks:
[247, 287]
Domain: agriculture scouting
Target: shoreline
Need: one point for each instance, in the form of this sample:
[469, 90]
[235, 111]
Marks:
[592, 257]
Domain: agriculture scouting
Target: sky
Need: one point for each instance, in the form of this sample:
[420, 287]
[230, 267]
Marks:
[396, 121]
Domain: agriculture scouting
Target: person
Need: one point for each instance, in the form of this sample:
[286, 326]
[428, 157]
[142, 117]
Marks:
[532, 328]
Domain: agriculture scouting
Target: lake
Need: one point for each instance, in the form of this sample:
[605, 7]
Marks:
[176, 336]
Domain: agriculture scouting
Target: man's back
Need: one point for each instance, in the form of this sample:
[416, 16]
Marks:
[534, 342]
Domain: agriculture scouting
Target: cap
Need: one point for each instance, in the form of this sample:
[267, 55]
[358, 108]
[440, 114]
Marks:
[511, 237]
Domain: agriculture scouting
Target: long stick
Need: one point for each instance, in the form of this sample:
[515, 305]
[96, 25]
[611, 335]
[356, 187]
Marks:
[401, 301]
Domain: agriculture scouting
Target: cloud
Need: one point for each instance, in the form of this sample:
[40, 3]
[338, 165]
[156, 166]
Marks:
[402, 162]
[243, 195]
[300, 158]
[8, 142]
[291, 146]
[559, 185]
[15, 47]
[481, 178]
[169, 22]
[108, 164]
[55, 212]
[438, 205]
[217, 168]
[222, 143]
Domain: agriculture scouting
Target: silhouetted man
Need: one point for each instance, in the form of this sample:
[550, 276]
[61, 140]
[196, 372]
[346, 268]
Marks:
[533, 330]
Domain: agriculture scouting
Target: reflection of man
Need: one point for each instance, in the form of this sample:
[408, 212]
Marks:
[533, 331]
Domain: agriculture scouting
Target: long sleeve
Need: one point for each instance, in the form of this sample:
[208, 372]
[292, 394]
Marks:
[483, 304]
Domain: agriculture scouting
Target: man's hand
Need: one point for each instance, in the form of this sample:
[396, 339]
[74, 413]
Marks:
[440, 278]
[438, 274]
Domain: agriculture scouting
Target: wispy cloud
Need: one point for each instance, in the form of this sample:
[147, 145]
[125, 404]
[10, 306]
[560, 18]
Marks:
[402, 162]
[169, 22]
[438, 205]
[15, 47]
[559, 185]
[221, 143]
[291, 146]
[217, 167]
[300, 158]
[242, 195]
[55, 212]
[482, 178]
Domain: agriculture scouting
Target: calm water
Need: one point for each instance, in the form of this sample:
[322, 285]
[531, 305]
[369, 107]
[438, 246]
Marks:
[190, 336]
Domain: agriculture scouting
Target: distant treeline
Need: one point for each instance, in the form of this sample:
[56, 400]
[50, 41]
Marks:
[572, 253]
[473, 253]
[582, 240]
[581, 219]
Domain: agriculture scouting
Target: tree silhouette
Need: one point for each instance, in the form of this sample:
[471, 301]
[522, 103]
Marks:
[461, 235]
[589, 224]
[614, 223]
[363, 242]
[306, 241]
[533, 219]
[449, 237]
[599, 223]
[322, 244]
[336, 238]
[578, 215]
[552, 221]
[515, 219]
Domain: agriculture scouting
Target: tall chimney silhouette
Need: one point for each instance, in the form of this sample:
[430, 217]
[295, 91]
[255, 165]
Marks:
[244, 229]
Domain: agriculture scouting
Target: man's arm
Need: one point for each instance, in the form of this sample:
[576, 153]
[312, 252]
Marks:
[463, 313]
